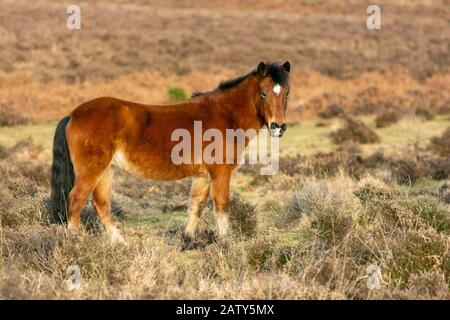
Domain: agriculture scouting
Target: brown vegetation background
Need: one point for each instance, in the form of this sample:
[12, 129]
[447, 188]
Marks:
[136, 50]
[364, 173]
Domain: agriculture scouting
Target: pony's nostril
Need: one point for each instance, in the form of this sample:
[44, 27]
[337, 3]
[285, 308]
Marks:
[274, 125]
[277, 129]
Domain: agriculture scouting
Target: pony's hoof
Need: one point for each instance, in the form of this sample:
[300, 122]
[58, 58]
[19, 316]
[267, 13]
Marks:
[225, 238]
[188, 236]
[187, 241]
[115, 237]
[73, 229]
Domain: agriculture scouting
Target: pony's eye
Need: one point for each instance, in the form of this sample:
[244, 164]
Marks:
[263, 95]
[287, 94]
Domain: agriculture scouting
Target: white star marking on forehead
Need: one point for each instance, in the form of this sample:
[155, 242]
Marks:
[277, 89]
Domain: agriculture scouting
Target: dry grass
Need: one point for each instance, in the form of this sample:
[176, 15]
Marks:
[24, 98]
[317, 245]
[47, 70]
[310, 232]
[177, 37]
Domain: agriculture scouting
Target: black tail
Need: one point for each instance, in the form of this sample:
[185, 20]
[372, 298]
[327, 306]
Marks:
[63, 176]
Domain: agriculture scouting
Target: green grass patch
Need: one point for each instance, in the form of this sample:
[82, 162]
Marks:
[41, 133]
[177, 94]
[425, 184]
[306, 138]
[418, 254]
[156, 221]
[431, 212]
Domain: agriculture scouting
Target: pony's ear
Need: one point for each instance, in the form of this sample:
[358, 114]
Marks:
[287, 66]
[262, 70]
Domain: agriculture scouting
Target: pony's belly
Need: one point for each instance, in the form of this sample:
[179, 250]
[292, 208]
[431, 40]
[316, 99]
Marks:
[155, 169]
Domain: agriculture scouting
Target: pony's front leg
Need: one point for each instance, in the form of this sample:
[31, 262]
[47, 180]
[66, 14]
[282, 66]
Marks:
[197, 201]
[220, 193]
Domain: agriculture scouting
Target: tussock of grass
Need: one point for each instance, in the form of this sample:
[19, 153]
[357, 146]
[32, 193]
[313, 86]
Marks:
[242, 216]
[10, 117]
[419, 252]
[432, 212]
[441, 145]
[427, 286]
[319, 197]
[354, 130]
[404, 235]
[386, 118]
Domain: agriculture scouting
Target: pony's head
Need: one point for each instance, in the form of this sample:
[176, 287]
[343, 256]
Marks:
[272, 96]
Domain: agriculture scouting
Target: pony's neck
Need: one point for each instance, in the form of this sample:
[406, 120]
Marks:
[238, 104]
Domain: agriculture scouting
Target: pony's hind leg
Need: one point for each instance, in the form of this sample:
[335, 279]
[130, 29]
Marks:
[77, 197]
[101, 197]
[197, 201]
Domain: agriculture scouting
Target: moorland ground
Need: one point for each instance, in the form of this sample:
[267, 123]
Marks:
[364, 168]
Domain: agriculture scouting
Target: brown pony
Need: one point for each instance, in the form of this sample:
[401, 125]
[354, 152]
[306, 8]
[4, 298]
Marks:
[139, 136]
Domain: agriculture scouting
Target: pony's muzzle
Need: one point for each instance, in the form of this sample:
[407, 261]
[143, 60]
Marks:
[277, 129]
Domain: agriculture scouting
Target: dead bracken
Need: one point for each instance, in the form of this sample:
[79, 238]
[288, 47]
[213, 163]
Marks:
[354, 130]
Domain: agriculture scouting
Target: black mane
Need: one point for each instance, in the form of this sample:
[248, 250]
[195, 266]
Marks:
[228, 84]
[274, 70]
